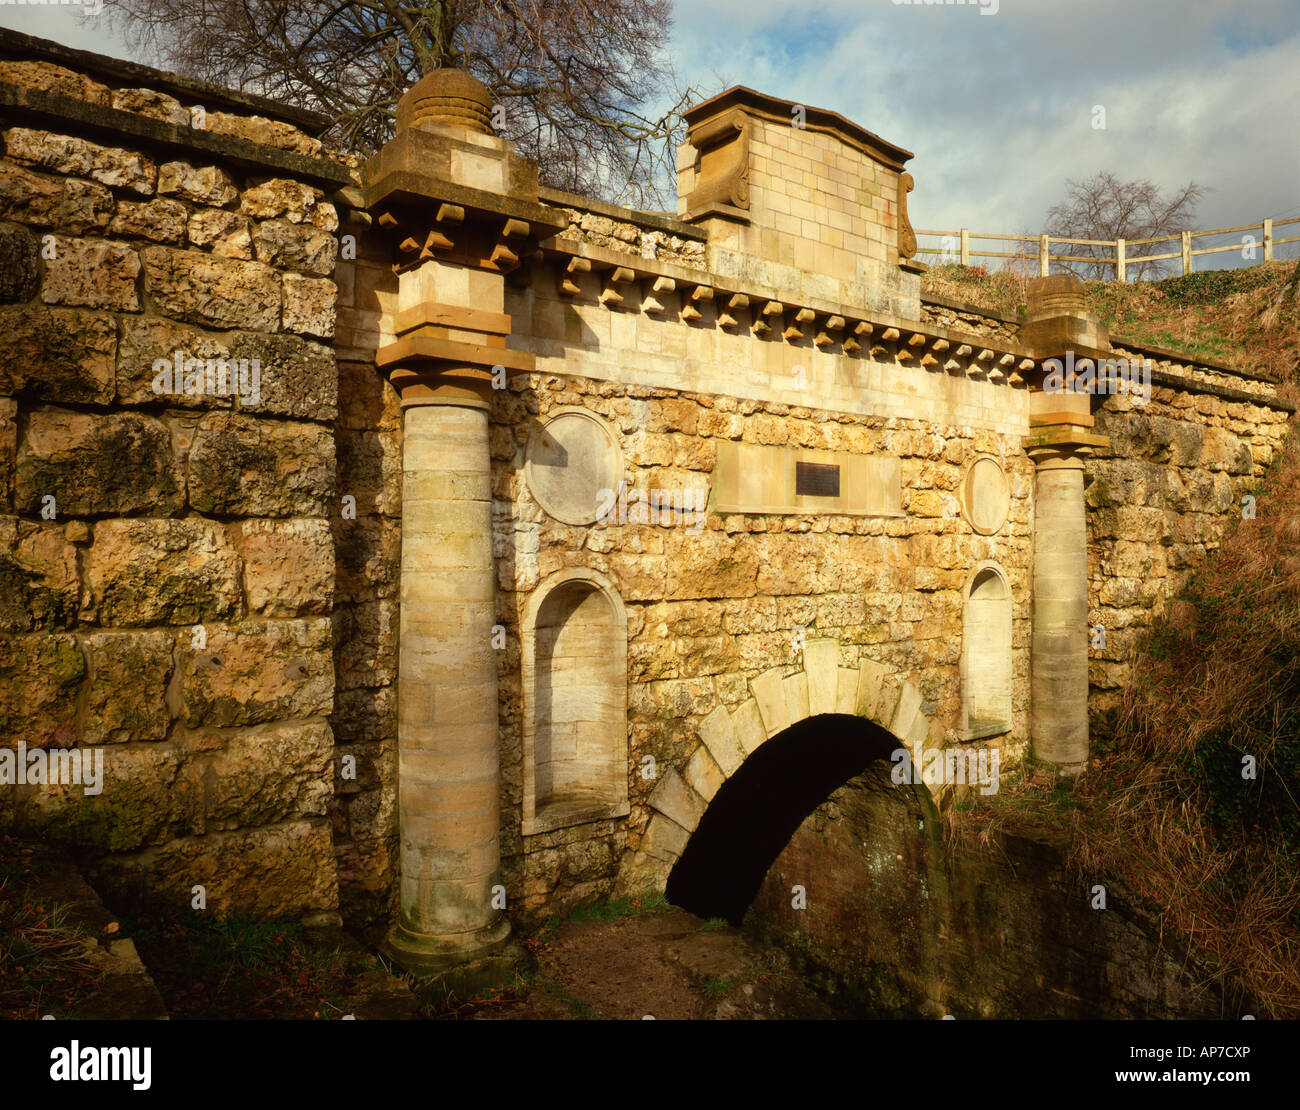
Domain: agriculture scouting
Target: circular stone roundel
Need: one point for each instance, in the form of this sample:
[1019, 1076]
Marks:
[573, 460]
[985, 496]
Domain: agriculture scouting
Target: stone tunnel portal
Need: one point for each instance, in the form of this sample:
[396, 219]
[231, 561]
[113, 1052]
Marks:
[757, 810]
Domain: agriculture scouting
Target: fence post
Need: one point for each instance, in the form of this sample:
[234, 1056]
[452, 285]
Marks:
[1043, 264]
[965, 247]
[1121, 262]
[1268, 240]
[1187, 252]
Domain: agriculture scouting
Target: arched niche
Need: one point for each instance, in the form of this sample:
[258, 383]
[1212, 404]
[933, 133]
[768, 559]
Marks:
[575, 702]
[986, 654]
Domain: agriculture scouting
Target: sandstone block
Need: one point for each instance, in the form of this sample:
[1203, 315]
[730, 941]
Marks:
[258, 671]
[293, 200]
[703, 774]
[367, 635]
[51, 78]
[126, 697]
[155, 105]
[288, 566]
[265, 132]
[365, 714]
[66, 154]
[145, 339]
[58, 354]
[39, 679]
[227, 233]
[202, 185]
[32, 198]
[297, 377]
[39, 585]
[293, 247]
[257, 776]
[770, 694]
[664, 839]
[309, 305]
[719, 737]
[92, 273]
[94, 464]
[821, 660]
[215, 292]
[242, 466]
[369, 553]
[282, 871]
[677, 801]
[8, 451]
[161, 220]
[370, 468]
[144, 571]
[20, 265]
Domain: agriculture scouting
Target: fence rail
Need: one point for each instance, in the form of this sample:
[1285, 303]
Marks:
[957, 246]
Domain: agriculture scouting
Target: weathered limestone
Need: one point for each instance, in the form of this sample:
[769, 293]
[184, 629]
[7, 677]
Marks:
[448, 756]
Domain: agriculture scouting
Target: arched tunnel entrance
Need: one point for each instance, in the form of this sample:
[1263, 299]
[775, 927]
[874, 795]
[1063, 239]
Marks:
[756, 811]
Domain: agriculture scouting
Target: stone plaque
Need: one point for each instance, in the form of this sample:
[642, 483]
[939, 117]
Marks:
[986, 497]
[571, 459]
[816, 479]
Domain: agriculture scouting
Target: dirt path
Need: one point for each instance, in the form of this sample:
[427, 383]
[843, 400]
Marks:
[665, 965]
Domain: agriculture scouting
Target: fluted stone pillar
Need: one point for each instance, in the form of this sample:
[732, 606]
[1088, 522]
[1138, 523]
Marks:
[1059, 680]
[447, 691]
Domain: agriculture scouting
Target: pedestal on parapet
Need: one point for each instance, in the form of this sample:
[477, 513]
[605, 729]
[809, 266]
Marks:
[462, 211]
[1060, 439]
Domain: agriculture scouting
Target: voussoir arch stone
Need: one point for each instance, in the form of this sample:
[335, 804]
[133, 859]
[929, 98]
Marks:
[777, 701]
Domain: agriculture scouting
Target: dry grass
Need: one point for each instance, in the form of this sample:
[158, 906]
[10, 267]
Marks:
[1249, 318]
[1164, 807]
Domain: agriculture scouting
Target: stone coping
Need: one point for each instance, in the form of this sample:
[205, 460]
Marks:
[954, 305]
[1190, 360]
[56, 110]
[777, 110]
[1196, 385]
[17, 46]
[652, 221]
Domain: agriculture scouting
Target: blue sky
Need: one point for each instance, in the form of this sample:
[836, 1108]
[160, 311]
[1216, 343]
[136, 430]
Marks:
[998, 108]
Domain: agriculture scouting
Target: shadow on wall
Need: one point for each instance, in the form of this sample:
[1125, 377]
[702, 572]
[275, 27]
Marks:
[757, 810]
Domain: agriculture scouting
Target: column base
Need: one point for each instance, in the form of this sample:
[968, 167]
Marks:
[456, 968]
[1061, 770]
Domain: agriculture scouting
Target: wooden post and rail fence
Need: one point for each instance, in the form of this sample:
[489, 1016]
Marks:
[957, 247]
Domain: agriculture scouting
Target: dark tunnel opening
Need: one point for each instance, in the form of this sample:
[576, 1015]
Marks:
[756, 812]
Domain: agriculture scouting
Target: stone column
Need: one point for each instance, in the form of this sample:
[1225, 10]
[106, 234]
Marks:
[462, 212]
[447, 693]
[1059, 681]
[1057, 326]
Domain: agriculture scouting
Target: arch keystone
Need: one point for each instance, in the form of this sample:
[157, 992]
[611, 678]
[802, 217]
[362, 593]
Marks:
[767, 689]
[846, 699]
[678, 801]
[821, 661]
[718, 732]
[796, 697]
